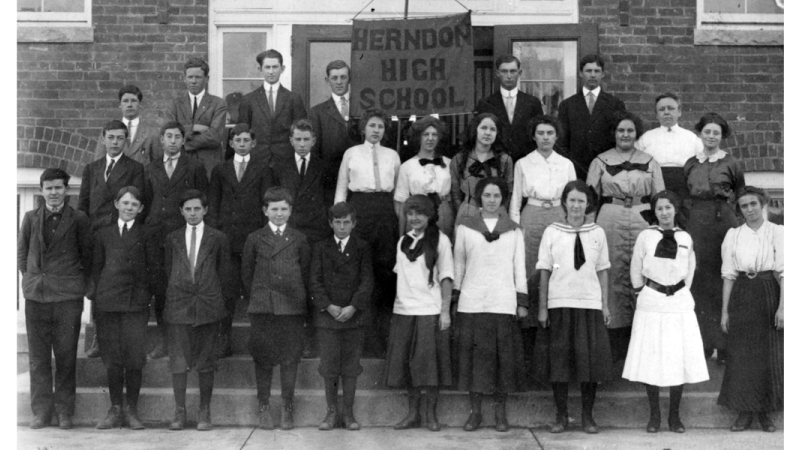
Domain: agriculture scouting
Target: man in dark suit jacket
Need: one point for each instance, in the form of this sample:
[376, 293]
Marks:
[514, 108]
[54, 255]
[142, 144]
[341, 288]
[165, 181]
[235, 192]
[202, 115]
[586, 134]
[196, 295]
[271, 109]
[104, 177]
[335, 132]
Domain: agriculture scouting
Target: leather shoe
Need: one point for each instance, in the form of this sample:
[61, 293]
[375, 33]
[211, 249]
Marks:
[179, 421]
[132, 415]
[287, 418]
[114, 419]
[331, 419]
[40, 421]
[743, 421]
[473, 421]
[204, 419]
[766, 422]
[588, 425]
[64, 421]
[560, 425]
[653, 425]
[159, 351]
[675, 425]
[350, 422]
[264, 417]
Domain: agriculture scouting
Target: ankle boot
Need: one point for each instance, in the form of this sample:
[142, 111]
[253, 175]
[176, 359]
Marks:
[204, 418]
[349, 394]
[350, 422]
[560, 395]
[133, 418]
[412, 419]
[674, 420]
[500, 421]
[114, 419]
[474, 419]
[433, 400]
[179, 421]
[265, 417]
[766, 422]
[588, 392]
[743, 421]
[655, 409]
[287, 414]
[331, 419]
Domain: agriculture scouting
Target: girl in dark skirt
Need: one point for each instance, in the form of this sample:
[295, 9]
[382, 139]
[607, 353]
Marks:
[752, 314]
[492, 295]
[418, 356]
[573, 264]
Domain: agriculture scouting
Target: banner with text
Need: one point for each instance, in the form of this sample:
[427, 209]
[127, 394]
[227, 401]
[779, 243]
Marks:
[413, 66]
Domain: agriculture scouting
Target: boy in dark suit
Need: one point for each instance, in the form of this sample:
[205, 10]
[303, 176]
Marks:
[202, 115]
[126, 271]
[100, 182]
[586, 117]
[198, 263]
[165, 180]
[234, 195]
[54, 255]
[341, 289]
[514, 108]
[271, 109]
[142, 144]
[275, 268]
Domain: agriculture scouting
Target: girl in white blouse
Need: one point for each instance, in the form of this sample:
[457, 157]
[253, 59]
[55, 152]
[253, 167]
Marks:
[427, 173]
[666, 348]
[752, 314]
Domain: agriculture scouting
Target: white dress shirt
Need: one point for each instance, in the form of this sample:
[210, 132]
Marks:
[275, 228]
[414, 296]
[199, 99]
[512, 97]
[132, 125]
[539, 178]
[356, 173]
[109, 159]
[341, 244]
[415, 179]
[121, 223]
[748, 250]
[338, 100]
[199, 236]
[299, 161]
[174, 159]
[595, 91]
[671, 147]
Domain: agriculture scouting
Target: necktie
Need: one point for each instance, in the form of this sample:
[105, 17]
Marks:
[124, 229]
[303, 167]
[278, 232]
[271, 101]
[344, 108]
[376, 169]
[510, 108]
[240, 172]
[109, 169]
[667, 247]
[170, 167]
[129, 124]
[590, 101]
[193, 251]
[194, 109]
[578, 254]
[341, 246]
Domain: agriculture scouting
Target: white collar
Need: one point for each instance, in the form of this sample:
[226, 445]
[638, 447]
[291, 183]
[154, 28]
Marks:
[370, 145]
[115, 159]
[199, 96]
[274, 227]
[595, 91]
[338, 98]
[239, 158]
[297, 158]
[121, 223]
[719, 154]
[512, 93]
[200, 227]
[343, 241]
[536, 157]
[167, 157]
[670, 129]
[134, 122]
[275, 87]
[55, 210]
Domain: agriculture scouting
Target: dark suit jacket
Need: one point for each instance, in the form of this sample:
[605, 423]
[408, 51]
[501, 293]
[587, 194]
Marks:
[583, 137]
[200, 301]
[127, 270]
[162, 194]
[341, 279]
[146, 145]
[212, 112]
[272, 130]
[235, 207]
[334, 137]
[60, 271]
[310, 210]
[516, 139]
[275, 272]
[96, 198]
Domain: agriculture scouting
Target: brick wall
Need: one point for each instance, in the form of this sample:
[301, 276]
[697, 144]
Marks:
[68, 90]
[655, 53]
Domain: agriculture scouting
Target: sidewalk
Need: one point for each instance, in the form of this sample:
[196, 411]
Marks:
[385, 438]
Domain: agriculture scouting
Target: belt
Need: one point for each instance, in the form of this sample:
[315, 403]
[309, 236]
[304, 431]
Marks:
[628, 202]
[753, 275]
[546, 204]
[669, 290]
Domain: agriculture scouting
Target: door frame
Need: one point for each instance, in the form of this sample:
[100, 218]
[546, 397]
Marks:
[302, 38]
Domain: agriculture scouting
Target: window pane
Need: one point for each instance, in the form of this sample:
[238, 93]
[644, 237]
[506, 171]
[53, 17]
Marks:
[723, 6]
[29, 5]
[763, 7]
[239, 52]
[742, 7]
[63, 5]
[548, 70]
[320, 54]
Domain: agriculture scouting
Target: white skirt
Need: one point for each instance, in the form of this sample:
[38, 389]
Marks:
[666, 348]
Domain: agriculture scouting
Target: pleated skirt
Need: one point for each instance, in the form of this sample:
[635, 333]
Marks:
[418, 353]
[753, 379]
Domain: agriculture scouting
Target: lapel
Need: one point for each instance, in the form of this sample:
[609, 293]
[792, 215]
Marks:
[520, 108]
[186, 107]
[132, 236]
[278, 244]
[161, 171]
[206, 244]
[179, 241]
[202, 107]
[67, 217]
[280, 100]
[229, 173]
[251, 173]
[599, 105]
[119, 169]
[344, 257]
[181, 169]
[312, 170]
[332, 110]
[261, 99]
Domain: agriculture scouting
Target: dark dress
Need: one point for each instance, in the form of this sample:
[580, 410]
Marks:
[711, 185]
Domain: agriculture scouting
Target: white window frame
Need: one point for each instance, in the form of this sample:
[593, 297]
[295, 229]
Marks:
[56, 26]
[738, 29]
[69, 17]
[704, 19]
[217, 56]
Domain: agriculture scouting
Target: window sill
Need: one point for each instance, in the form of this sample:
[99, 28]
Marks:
[49, 32]
[721, 36]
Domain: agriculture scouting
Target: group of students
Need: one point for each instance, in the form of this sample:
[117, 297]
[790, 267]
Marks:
[471, 260]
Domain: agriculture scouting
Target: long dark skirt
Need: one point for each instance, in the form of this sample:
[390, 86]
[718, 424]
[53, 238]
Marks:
[709, 221]
[418, 353]
[574, 348]
[488, 353]
[753, 379]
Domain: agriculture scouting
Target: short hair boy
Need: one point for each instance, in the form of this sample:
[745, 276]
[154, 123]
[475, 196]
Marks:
[275, 265]
[341, 290]
[142, 143]
[195, 304]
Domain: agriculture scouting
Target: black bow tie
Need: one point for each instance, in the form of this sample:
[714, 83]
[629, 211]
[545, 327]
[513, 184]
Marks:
[405, 247]
[626, 166]
[667, 247]
[436, 161]
[491, 236]
[483, 169]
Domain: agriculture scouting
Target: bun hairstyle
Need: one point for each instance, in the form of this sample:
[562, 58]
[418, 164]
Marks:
[430, 241]
[761, 194]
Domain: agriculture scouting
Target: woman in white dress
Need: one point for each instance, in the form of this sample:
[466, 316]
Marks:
[666, 348]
